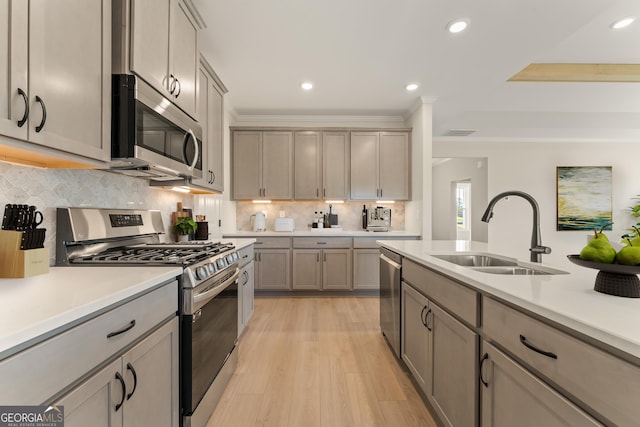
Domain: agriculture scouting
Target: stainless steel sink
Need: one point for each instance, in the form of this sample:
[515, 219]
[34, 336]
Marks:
[474, 260]
[514, 271]
[486, 263]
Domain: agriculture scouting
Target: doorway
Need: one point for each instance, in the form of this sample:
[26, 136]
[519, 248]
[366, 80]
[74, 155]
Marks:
[462, 198]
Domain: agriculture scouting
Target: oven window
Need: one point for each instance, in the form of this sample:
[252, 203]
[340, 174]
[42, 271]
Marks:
[212, 337]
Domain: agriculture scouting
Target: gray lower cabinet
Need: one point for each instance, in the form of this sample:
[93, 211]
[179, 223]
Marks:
[246, 292]
[416, 341]
[246, 286]
[366, 269]
[512, 396]
[328, 269]
[454, 385]
[441, 354]
[139, 388]
[273, 269]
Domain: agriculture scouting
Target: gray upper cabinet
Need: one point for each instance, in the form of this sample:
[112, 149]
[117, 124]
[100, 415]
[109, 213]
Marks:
[211, 112]
[321, 165]
[308, 165]
[364, 165]
[262, 165]
[335, 165]
[57, 91]
[164, 48]
[379, 165]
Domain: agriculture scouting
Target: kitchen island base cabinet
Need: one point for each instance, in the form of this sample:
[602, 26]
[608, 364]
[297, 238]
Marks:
[138, 388]
[441, 353]
[511, 396]
[416, 343]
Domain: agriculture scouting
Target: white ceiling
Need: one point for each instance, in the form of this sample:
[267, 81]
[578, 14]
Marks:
[361, 53]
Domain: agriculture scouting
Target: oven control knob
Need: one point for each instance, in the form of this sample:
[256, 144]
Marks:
[221, 263]
[202, 273]
[211, 268]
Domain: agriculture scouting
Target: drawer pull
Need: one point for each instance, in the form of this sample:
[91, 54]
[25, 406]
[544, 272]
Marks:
[123, 330]
[524, 342]
[482, 380]
[322, 243]
[124, 390]
[135, 380]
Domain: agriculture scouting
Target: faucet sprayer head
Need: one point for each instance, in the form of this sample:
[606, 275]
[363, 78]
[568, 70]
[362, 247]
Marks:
[488, 214]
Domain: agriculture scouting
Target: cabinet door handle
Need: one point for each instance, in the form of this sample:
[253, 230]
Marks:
[123, 330]
[324, 192]
[482, 380]
[325, 256]
[524, 342]
[423, 317]
[381, 192]
[135, 380]
[426, 320]
[172, 85]
[44, 114]
[317, 192]
[317, 257]
[124, 390]
[213, 177]
[25, 116]
[179, 88]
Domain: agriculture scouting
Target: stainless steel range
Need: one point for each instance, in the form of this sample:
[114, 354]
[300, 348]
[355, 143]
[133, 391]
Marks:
[208, 290]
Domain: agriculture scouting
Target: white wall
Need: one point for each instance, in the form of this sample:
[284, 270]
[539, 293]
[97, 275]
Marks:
[444, 205]
[418, 210]
[531, 167]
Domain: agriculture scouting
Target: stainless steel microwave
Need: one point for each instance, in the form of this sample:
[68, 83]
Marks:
[150, 136]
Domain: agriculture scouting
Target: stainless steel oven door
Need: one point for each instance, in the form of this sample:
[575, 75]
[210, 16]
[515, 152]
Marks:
[209, 335]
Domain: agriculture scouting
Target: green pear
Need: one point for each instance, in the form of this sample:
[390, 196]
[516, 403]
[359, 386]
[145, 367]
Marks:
[599, 249]
[629, 255]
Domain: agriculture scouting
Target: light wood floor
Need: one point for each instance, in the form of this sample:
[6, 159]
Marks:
[310, 361]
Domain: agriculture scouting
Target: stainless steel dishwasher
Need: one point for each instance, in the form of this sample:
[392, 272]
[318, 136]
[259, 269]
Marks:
[390, 267]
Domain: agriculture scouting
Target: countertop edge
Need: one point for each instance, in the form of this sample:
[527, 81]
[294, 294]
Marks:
[35, 333]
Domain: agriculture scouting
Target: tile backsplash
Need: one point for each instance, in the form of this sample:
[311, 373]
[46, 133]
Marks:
[49, 189]
[349, 213]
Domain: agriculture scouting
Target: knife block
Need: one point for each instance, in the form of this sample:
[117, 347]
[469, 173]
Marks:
[16, 263]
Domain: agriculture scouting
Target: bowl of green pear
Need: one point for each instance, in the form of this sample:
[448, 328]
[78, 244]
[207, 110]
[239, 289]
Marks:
[617, 270]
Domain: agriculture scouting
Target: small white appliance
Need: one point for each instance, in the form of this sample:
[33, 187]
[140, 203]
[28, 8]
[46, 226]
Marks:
[259, 221]
[284, 224]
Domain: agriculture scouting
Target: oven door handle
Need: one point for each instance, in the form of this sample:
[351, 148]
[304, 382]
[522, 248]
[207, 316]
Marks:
[208, 295]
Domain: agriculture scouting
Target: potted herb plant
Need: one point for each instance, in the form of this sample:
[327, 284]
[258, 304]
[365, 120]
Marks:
[184, 226]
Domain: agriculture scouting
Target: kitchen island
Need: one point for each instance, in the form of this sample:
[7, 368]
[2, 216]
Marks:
[511, 347]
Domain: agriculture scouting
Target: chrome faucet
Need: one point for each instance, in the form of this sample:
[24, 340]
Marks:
[536, 242]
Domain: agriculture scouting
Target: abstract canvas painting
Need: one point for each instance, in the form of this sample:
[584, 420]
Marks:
[583, 197]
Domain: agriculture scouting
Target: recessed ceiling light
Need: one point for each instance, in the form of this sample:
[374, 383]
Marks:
[411, 86]
[622, 23]
[307, 86]
[457, 25]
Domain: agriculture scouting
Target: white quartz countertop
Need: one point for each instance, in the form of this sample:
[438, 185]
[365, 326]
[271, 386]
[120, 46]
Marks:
[566, 299]
[35, 308]
[324, 232]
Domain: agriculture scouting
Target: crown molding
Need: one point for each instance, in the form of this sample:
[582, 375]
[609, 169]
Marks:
[313, 119]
